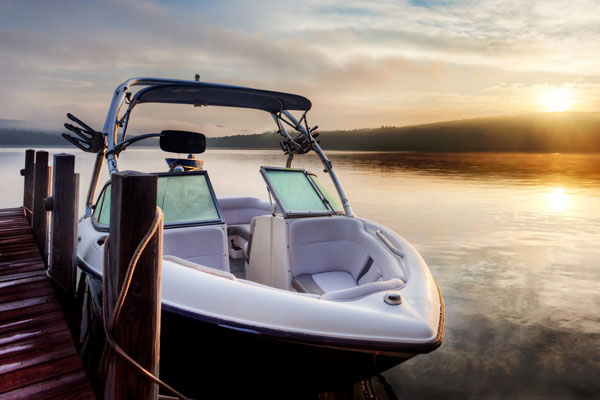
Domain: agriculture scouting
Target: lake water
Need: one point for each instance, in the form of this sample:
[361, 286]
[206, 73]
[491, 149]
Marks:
[512, 239]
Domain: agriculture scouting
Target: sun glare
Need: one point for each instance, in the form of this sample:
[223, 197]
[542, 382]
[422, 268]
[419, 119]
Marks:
[557, 99]
[557, 199]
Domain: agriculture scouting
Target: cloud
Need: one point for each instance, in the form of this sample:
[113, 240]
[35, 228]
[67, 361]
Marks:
[373, 59]
[67, 82]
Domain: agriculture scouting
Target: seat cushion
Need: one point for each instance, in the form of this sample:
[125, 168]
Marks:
[334, 280]
[306, 284]
[323, 282]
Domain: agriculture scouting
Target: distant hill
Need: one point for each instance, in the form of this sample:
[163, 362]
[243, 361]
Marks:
[23, 137]
[548, 132]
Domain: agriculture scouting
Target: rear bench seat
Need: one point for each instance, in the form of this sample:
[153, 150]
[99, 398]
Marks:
[332, 254]
[238, 213]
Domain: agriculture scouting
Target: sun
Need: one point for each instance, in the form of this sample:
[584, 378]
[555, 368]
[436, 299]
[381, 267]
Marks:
[558, 99]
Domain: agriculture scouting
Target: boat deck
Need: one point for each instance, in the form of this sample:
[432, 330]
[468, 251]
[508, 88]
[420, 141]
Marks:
[237, 268]
[37, 357]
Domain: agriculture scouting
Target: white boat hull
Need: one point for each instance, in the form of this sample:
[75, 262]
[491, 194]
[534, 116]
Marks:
[211, 319]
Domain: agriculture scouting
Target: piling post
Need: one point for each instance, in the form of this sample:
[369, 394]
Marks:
[137, 331]
[28, 173]
[41, 188]
[63, 204]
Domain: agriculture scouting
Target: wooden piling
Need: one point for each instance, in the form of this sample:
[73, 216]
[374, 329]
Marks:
[28, 173]
[63, 204]
[39, 221]
[133, 208]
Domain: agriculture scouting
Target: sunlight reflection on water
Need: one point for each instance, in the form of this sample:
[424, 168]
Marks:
[557, 199]
[512, 240]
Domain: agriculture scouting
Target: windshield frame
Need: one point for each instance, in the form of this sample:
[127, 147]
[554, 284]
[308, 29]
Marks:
[170, 225]
[289, 213]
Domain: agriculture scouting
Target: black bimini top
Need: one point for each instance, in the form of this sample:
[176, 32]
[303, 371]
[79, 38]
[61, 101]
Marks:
[211, 94]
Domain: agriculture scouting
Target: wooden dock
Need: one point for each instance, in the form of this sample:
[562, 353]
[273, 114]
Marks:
[37, 357]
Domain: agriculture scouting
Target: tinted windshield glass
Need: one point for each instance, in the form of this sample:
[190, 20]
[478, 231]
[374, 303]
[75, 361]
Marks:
[102, 209]
[333, 200]
[185, 198]
[295, 190]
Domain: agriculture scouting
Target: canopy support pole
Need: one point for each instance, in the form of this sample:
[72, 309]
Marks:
[326, 163]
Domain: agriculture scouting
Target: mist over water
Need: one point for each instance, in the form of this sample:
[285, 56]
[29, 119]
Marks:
[513, 240]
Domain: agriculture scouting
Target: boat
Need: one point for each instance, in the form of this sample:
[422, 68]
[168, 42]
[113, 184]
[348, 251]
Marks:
[295, 292]
[185, 164]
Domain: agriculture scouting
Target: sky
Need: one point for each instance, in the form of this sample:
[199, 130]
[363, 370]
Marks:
[361, 63]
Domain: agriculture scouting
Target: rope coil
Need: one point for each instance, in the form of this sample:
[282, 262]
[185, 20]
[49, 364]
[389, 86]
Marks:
[109, 325]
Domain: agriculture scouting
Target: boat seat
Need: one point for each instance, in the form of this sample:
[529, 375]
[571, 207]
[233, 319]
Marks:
[323, 282]
[329, 254]
[340, 286]
[238, 213]
[205, 245]
[241, 210]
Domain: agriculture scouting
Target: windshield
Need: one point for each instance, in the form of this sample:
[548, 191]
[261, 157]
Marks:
[299, 193]
[184, 198]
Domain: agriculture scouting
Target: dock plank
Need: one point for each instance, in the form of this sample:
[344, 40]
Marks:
[29, 321]
[18, 292]
[64, 387]
[37, 357]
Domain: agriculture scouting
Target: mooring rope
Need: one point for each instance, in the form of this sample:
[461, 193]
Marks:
[109, 325]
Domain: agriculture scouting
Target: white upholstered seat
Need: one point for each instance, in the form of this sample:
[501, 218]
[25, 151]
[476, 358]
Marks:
[238, 212]
[205, 245]
[336, 253]
[241, 210]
